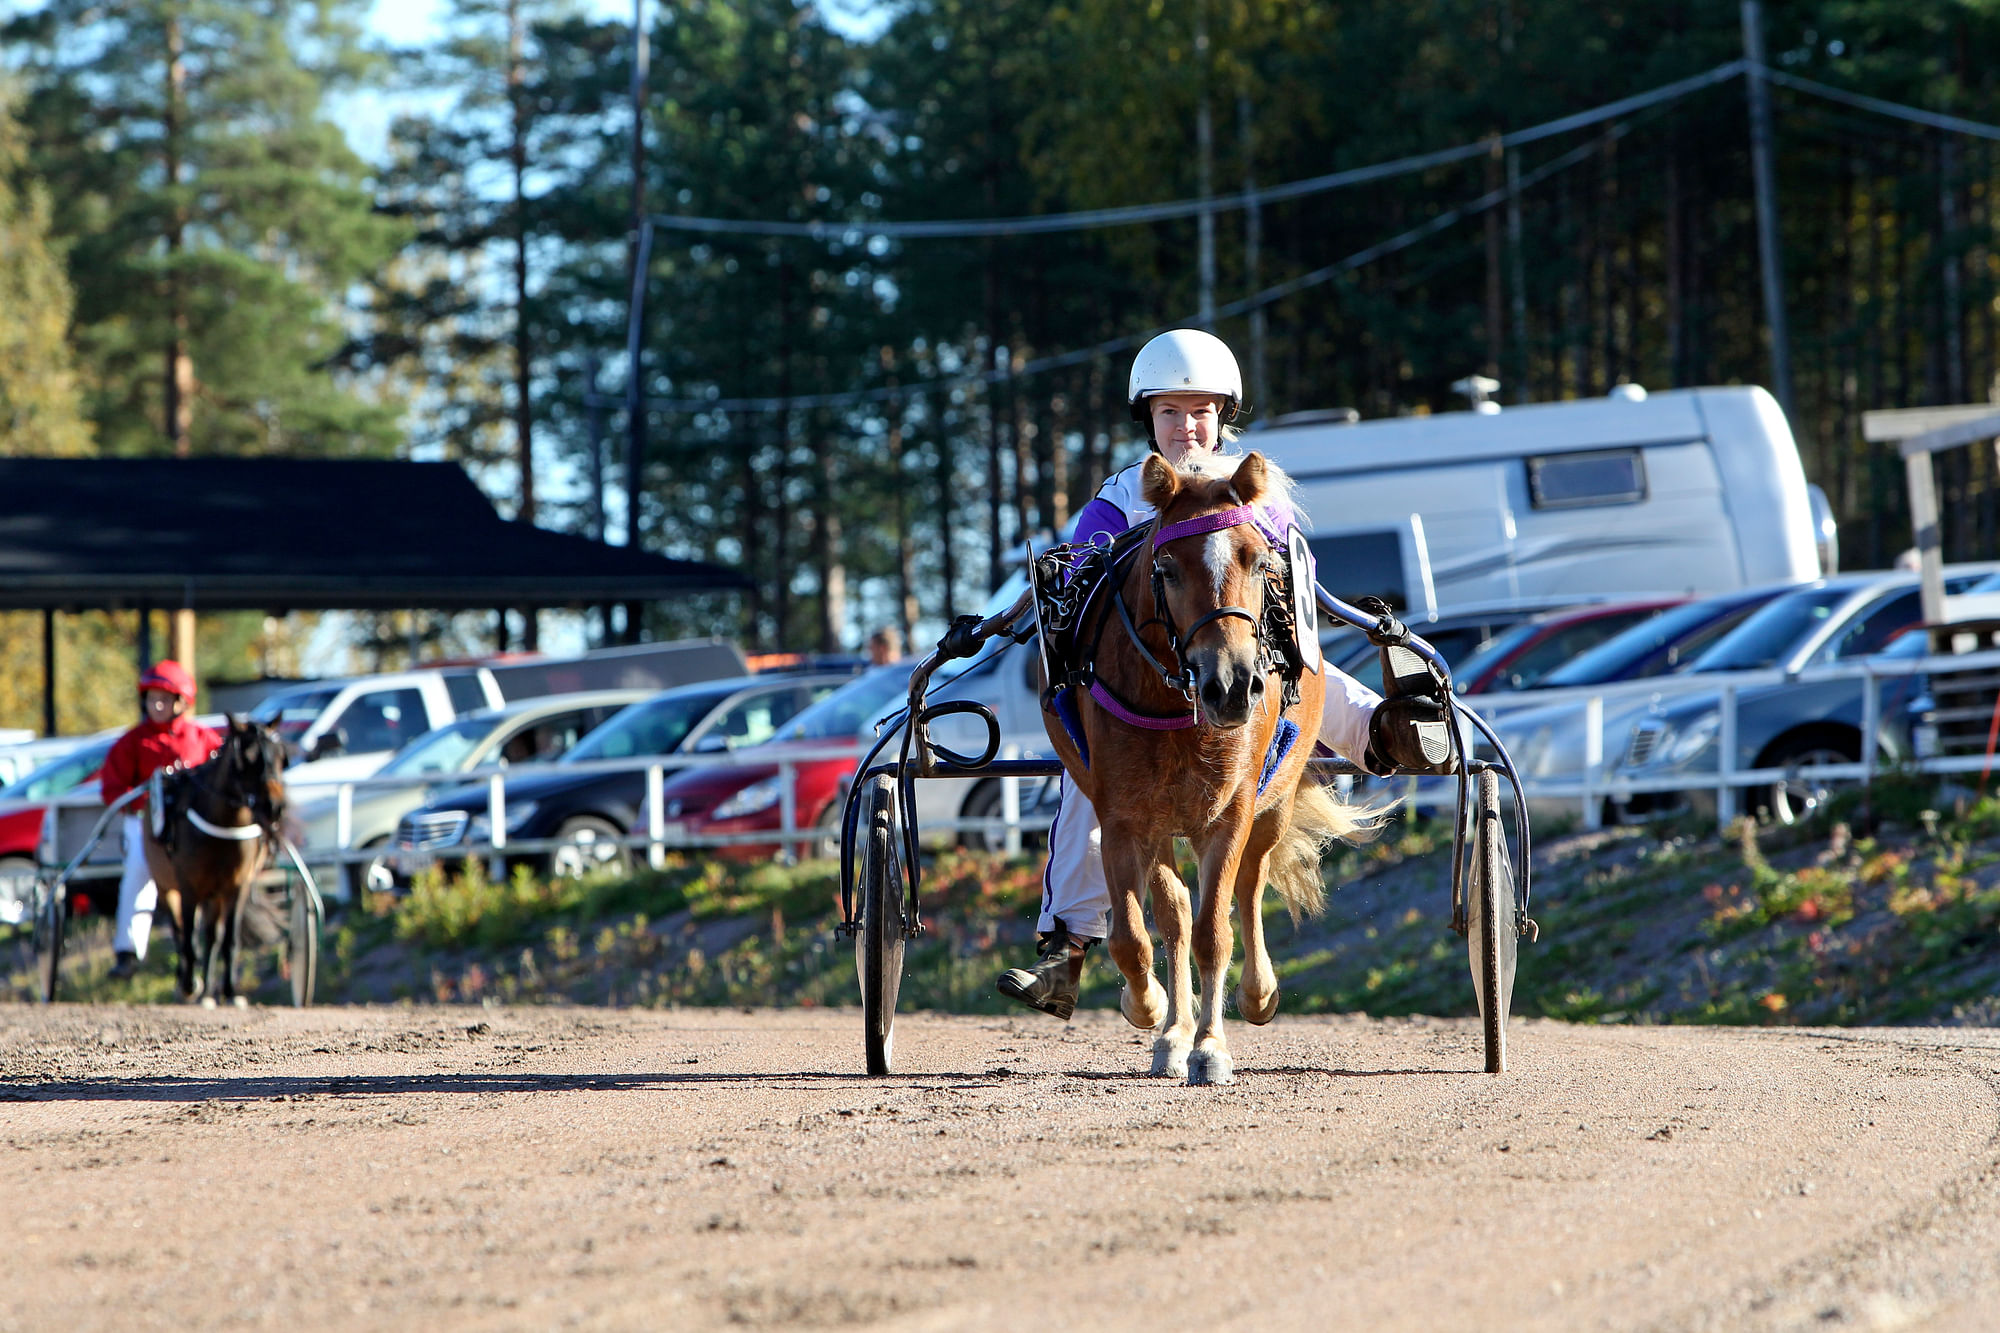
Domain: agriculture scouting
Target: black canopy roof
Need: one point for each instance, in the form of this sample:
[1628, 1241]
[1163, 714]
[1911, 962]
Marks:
[280, 534]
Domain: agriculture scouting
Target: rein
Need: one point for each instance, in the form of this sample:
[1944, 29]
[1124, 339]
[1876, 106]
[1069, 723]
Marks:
[257, 801]
[1177, 639]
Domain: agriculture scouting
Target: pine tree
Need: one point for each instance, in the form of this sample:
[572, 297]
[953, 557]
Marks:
[215, 218]
[40, 398]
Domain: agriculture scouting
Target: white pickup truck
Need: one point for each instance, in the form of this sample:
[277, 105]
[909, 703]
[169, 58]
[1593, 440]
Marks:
[343, 730]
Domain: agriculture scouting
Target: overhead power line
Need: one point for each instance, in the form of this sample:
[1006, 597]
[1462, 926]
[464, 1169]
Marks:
[1061, 360]
[1104, 217]
[1133, 214]
[1914, 115]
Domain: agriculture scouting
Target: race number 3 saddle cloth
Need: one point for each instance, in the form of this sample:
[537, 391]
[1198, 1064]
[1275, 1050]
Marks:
[1072, 579]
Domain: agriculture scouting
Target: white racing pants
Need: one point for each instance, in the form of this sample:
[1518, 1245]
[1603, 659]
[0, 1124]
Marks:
[136, 895]
[1073, 885]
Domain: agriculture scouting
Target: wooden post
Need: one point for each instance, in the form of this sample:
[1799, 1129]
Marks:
[1770, 258]
[1924, 529]
[180, 638]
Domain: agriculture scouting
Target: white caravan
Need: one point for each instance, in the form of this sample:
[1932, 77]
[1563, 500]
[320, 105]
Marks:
[1684, 492]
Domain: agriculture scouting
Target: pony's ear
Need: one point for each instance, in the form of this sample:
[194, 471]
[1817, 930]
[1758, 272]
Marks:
[236, 723]
[1160, 482]
[1252, 479]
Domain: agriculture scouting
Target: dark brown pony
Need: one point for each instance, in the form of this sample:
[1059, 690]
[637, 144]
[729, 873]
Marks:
[1200, 782]
[213, 835]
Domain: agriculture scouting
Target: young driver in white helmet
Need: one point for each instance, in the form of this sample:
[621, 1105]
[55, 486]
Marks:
[1184, 391]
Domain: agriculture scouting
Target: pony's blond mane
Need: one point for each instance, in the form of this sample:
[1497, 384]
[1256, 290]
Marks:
[1221, 467]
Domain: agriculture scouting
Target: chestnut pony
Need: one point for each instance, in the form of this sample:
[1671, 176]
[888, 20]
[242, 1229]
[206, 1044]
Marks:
[1150, 784]
[221, 822]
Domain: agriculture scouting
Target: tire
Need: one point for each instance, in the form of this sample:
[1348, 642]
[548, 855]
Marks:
[878, 947]
[825, 840]
[1493, 940]
[303, 946]
[986, 802]
[51, 917]
[1794, 800]
[594, 844]
[357, 876]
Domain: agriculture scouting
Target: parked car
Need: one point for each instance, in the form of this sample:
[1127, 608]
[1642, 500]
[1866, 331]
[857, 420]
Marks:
[532, 731]
[1518, 658]
[22, 808]
[1792, 723]
[341, 730]
[741, 799]
[591, 809]
[1457, 634]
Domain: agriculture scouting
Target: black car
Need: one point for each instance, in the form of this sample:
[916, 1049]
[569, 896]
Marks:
[591, 810]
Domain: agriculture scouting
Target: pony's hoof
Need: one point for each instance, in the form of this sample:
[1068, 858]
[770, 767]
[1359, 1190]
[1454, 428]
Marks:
[240, 1001]
[208, 1002]
[1169, 1060]
[1253, 1013]
[1143, 1014]
[1210, 1068]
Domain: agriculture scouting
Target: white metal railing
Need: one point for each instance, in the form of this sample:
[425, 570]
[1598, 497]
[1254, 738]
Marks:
[1590, 787]
[656, 835]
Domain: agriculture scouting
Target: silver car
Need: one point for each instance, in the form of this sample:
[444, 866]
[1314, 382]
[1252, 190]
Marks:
[527, 732]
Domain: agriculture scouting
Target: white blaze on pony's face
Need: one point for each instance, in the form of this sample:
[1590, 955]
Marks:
[1205, 572]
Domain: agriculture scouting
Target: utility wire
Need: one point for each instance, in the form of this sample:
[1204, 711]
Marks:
[1915, 115]
[1296, 189]
[1133, 214]
[1060, 360]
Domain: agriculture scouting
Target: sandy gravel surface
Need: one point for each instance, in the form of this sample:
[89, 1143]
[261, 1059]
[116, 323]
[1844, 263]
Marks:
[597, 1169]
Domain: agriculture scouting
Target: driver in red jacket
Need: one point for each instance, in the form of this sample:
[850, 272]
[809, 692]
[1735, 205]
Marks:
[168, 737]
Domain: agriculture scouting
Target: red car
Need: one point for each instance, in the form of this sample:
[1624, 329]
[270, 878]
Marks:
[748, 796]
[22, 806]
[1521, 655]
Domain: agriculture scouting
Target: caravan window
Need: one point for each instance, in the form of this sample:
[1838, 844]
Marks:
[1357, 564]
[1564, 481]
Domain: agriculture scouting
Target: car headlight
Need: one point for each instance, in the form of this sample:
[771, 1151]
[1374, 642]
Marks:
[1693, 738]
[753, 798]
[480, 827]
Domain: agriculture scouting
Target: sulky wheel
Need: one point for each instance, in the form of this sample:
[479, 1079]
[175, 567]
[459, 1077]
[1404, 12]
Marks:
[878, 947]
[302, 944]
[1494, 936]
[51, 915]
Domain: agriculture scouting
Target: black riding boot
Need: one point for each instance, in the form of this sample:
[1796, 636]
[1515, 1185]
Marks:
[1051, 984]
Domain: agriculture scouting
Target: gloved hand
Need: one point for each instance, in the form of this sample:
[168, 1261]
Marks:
[1388, 630]
[1411, 733]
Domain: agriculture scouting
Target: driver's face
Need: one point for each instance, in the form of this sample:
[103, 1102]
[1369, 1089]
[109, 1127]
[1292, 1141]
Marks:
[1186, 425]
[162, 707]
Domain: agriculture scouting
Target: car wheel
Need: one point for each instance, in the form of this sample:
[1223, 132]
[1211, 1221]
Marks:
[826, 830]
[986, 801]
[591, 844]
[1792, 800]
[370, 876]
[17, 890]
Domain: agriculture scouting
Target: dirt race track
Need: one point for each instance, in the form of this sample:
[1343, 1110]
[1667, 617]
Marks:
[445, 1169]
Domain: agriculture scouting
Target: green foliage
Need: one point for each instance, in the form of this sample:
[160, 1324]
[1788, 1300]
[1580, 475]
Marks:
[40, 396]
[207, 202]
[495, 287]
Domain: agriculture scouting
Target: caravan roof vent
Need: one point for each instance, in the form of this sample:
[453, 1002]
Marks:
[1631, 393]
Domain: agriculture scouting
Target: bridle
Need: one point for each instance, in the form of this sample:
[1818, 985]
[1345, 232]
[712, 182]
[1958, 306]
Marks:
[264, 812]
[1178, 640]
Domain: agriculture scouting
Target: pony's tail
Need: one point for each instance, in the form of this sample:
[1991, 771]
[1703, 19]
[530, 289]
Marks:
[1319, 819]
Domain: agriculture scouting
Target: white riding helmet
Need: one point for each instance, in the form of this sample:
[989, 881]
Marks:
[1185, 361]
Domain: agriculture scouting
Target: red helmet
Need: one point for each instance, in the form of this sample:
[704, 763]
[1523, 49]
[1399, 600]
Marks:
[169, 675]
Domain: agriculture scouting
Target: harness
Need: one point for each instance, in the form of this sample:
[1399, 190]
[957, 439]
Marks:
[187, 781]
[1069, 581]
